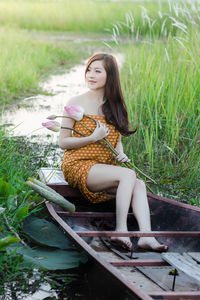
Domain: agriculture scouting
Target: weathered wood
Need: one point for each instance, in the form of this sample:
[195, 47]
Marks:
[183, 219]
[195, 256]
[132, 289]
[160, 275]
[175, 295]
[138, 262]
[184, 263]
[140, 233]
[90, 214]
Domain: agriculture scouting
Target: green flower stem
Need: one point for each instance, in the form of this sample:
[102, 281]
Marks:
[13, 231]
[128, 164]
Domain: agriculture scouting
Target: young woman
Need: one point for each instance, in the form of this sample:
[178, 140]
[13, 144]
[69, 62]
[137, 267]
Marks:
[90, 166]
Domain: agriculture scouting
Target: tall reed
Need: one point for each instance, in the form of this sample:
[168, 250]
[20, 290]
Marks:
[160, 81]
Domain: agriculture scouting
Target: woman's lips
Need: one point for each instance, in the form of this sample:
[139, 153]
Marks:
[91, 81]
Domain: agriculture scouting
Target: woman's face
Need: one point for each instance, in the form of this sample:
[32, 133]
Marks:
[96, 75]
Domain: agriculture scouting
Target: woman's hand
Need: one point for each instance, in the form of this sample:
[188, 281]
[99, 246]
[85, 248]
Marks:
[100, 131]
[122, 157]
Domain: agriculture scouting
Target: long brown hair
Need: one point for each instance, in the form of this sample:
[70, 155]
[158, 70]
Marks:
[114, 106]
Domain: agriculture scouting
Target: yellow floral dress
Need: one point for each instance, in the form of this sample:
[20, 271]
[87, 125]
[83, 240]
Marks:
[77, 162]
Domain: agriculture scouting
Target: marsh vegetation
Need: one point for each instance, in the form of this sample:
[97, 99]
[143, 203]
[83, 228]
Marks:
[160, 81]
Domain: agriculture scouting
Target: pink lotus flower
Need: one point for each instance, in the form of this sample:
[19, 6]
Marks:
[75, 112]
[52, 125]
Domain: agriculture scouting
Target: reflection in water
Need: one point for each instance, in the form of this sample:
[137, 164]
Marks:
[29, 117]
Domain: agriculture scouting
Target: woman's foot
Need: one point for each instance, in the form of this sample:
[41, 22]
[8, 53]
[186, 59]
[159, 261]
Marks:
[150, 243]
[122, 242]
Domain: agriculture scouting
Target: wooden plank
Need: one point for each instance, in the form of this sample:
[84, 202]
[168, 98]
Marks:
[140, 233]
[195, 256]
[160, 275]
[175, 295]
[89, 214]
[184, 263]
[138, 279]
[174, 202]
[132, 289]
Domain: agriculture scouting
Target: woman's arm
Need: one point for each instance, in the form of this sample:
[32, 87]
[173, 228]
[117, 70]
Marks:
[122, 156]
[119, 147]
[66, 141]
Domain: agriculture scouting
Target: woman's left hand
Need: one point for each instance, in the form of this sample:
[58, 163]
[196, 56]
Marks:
[122, 157]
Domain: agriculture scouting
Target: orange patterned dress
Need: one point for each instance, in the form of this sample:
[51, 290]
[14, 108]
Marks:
[77, 162]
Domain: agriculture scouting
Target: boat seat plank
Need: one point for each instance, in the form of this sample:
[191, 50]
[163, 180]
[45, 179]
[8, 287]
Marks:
[140, 233]
[160, 275]
[183, 262]
[195, 256]
[52, 176]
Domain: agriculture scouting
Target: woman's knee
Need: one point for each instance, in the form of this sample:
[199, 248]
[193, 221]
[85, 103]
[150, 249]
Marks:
[127, 174]
[140, 184]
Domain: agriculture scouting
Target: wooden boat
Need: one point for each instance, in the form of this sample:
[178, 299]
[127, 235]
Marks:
[144, 274]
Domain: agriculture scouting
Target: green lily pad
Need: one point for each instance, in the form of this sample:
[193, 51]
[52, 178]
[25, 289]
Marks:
[48, 258]
[45, 233]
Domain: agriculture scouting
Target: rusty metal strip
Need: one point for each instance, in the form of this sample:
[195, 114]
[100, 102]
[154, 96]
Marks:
[140, 234]
[174, 202]
[89, 214]
[138, 262]
[189, 295]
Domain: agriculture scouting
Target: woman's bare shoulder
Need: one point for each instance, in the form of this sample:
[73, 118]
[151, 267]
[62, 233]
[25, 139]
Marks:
[77, 100]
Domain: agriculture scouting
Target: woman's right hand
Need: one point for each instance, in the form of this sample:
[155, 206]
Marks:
[100, 131]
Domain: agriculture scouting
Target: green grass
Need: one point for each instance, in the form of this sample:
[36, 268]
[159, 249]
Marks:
[98, 16]
[67, 15]
[25, 61]
[161, 85]
[26, 58]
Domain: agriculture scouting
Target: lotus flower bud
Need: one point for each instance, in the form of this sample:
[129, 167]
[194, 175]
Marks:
[52, 125]
[52, 117]
[75, 112]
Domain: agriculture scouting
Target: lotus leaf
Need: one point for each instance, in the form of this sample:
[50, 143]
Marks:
[46, 258]
[45, 233]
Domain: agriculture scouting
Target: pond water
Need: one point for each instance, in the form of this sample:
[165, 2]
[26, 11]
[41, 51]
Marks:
[32, 111]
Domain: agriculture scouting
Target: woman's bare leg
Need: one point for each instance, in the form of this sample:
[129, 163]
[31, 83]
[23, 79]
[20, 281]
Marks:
[141, 211]
[102, 177]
